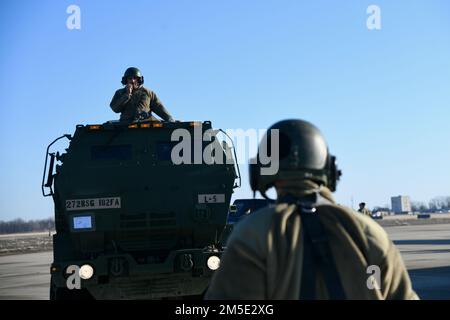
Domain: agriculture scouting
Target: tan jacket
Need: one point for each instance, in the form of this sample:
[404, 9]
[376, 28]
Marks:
[263, 259]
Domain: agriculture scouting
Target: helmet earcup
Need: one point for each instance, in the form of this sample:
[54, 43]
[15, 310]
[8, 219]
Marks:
[333, 173]
[124, 81]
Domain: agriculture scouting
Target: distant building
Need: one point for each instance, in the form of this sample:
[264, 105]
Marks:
[401, 204]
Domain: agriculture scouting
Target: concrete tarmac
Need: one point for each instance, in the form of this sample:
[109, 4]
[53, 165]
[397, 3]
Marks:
[25, 276]
[425, 250]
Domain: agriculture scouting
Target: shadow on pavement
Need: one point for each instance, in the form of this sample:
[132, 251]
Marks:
[431, 283]
[424, 241]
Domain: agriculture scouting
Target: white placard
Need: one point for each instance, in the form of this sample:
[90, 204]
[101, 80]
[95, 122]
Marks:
[211, 198]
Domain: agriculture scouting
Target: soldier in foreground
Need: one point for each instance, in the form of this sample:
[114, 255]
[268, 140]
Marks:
[135, 102]
[307, 246]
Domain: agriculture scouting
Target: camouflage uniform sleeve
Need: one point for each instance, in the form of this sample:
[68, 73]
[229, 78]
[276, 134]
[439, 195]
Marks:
[159, 109]
[381, 252]
[395, 281]
[119, 100]
[241, 274]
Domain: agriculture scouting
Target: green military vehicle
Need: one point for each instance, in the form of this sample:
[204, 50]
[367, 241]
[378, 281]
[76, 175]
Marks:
[135, 223]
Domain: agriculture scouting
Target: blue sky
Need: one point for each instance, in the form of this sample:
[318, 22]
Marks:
[381, 97]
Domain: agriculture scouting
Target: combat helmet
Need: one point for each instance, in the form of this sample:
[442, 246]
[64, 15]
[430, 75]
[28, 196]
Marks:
[132, 72]
[302, 154]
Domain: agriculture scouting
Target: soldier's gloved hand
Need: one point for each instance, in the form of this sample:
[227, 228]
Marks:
[129, 89]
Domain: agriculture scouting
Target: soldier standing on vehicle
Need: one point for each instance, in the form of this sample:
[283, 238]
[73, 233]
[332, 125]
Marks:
[307, 246]
[136, 102]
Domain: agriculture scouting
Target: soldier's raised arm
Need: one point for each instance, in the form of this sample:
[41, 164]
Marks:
[157, 107]
[119, 100]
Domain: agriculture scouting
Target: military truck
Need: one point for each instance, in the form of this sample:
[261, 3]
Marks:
[240, 209]
[243, 207]
[134, 223]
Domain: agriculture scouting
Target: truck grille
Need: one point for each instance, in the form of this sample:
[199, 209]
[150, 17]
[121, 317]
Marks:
[147, 231]
[147, 220]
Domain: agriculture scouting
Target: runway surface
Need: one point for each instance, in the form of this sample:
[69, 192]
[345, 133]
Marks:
[25, 276]
[425, 250]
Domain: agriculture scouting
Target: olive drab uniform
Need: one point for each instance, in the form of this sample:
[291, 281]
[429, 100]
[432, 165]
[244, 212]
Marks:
[264, 258]
[139, 105]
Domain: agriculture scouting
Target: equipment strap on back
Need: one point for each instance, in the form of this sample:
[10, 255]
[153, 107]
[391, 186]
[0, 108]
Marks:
[317, 257]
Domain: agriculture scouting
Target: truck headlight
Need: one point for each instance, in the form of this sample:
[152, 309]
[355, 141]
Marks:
[213, 262]
[86, 272]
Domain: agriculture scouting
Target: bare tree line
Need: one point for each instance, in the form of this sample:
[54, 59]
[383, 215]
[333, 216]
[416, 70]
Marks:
[437, 203]
[20, 225]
